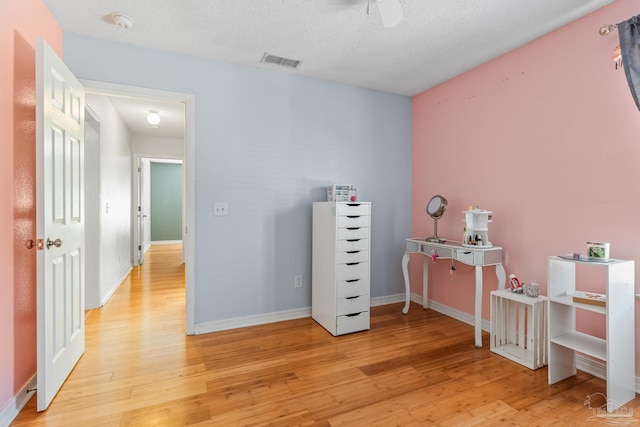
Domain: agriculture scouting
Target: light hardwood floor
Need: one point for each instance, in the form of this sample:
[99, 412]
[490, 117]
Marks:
[422, 369]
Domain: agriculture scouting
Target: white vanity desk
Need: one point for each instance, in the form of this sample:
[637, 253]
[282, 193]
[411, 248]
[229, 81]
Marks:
[475, 256]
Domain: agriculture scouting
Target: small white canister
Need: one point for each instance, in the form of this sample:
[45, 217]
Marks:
[598, 250]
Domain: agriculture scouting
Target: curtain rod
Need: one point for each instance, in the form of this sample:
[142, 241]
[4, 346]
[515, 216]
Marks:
[607, 29]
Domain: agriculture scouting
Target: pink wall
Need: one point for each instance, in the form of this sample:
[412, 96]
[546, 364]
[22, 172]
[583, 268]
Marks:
[548, 138]
[21, 22]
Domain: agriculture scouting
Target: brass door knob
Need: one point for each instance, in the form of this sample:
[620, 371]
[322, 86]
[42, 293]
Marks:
[57, 243]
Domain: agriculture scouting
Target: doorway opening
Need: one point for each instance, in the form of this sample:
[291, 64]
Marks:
[117, 94]
[158, 189]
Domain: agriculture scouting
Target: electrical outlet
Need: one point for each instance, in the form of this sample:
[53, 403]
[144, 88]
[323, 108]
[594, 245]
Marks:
[220, 208]
[297, 281]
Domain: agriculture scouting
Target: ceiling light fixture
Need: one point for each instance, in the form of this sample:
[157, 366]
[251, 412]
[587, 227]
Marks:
[122, 20]
[153, 118]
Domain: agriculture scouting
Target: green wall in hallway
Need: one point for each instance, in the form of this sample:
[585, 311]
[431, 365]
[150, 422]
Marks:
[166, 201]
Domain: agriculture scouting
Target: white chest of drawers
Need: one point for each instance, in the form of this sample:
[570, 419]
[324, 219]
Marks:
[340, 266]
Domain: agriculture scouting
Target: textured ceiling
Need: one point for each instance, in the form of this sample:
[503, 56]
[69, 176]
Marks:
[336, 40]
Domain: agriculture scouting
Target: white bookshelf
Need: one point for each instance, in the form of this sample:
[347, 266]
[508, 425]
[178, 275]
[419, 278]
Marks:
[618, 314]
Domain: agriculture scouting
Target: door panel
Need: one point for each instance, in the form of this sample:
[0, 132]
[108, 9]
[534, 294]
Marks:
[60, 222]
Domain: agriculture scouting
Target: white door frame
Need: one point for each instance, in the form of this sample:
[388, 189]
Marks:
[104, 88]
[93, 215]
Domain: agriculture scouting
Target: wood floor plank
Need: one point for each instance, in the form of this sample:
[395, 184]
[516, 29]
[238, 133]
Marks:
[419, 369]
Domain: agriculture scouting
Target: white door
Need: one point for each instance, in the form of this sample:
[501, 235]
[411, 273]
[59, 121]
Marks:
[60, 222]
[142, 212]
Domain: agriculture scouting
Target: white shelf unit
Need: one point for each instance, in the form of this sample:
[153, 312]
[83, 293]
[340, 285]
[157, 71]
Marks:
[617, 349]
[477, 227]
[340, 281]
[518, 330]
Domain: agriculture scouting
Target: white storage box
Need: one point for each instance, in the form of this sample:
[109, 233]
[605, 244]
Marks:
[518, 328]
[341, 193]
[338, 193]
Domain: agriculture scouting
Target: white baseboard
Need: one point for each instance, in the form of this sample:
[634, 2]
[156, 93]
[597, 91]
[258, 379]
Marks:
[462, 316]
[115, 286]
[13, 408]
[261, 319]
[390, 299]
[165, 242]
[594, 367]
[258, 319]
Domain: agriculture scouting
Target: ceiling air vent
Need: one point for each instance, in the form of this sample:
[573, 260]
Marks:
[279, 60]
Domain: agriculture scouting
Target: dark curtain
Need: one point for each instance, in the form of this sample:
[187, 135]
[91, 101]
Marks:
[630, 49]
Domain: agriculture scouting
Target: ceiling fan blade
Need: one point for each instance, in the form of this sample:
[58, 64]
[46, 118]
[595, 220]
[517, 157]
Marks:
[390, 12]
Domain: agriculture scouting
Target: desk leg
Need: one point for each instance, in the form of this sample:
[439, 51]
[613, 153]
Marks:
[502, 276]
[478, 325]
[407, 285]
[425, 281]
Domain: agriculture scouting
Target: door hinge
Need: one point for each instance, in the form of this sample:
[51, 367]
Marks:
[139, 247]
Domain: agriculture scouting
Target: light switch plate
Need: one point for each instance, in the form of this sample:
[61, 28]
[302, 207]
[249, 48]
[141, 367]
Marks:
[220, 208]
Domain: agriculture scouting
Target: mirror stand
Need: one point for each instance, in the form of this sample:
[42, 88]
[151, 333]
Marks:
[435, 209]
[435, 238]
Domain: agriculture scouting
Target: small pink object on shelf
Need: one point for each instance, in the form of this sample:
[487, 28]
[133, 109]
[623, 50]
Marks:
[515, 283]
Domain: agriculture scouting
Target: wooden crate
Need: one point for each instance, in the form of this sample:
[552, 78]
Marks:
[518, 330]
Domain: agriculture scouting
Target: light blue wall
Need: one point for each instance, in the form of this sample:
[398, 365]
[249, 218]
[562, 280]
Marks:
[267, 143]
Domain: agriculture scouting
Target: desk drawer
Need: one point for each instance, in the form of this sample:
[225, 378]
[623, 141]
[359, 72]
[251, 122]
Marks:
[352, 305]
[351, 257]
[353, 245]
[353, 233]
[442, 252]
[465, 256]
[352, 288]
[352, 209]
[352, 323]
[358, 270]
[353, 221]
[479, 257]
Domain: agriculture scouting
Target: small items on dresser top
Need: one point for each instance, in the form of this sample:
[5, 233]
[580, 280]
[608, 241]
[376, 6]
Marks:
[476, 232]
[341, 193]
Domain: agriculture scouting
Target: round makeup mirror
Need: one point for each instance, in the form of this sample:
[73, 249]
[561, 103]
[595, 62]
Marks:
[435, 208]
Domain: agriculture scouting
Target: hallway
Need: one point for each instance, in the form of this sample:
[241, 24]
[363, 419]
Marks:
[136, 339]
